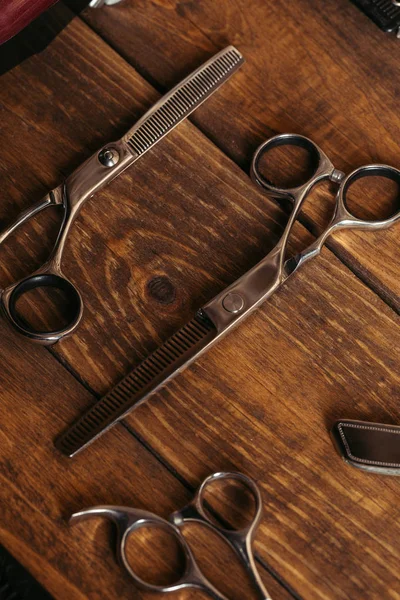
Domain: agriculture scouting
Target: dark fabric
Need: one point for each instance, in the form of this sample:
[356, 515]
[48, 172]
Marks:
[38, 34]
[16, 583]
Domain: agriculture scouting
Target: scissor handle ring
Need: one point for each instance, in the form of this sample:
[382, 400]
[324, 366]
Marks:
[199, 502]
[160, 523]
[319, 161]
[129, 520]
[12, 294]
[373, 170]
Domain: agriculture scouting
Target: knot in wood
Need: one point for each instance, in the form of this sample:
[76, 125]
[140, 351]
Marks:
[161, 289]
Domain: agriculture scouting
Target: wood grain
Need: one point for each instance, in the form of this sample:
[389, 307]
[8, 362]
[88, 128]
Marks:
[40, 488]
[58, 565]
[146, 253]
[328, 73]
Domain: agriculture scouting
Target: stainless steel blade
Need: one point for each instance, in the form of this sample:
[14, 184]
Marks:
[182, 100]
[153, 373]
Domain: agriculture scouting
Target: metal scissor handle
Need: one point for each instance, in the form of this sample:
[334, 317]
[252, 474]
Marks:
[344, 218]
[129, 520]
[48, 276]
[240, 540]
[323, 169]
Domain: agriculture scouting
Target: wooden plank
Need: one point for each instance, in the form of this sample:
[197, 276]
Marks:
[40, 488]
[326, 342]
[51, 104]
[327, 73]
[262, 403]
[337, 310]
[148, 228]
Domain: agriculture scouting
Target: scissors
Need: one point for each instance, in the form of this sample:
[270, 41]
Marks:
[129, 520]
[235, 303]
[94, 174]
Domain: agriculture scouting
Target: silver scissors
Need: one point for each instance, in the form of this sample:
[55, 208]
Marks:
[94, 174]
[234, 304]
[129, 520]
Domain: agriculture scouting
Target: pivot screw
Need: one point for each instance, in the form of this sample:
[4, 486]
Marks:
[233, 303]
[108, 157]
[337, 176]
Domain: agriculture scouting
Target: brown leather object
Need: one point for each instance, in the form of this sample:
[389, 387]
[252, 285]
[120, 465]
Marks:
[17, 14]
[373, 447]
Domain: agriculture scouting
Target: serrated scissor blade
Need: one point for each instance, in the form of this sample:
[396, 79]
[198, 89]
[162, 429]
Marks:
[153, 373]
[182, 100]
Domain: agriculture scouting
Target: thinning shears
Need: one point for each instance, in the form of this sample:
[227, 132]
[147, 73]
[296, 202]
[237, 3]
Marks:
[232, 305]
[94, 174]
[130, 520]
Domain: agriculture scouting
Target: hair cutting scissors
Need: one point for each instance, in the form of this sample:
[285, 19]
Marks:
[237, 301]
[129, 520]
[94, 174]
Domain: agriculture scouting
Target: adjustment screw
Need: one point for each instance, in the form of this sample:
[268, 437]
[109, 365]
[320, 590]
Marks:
[233, 303]
[108, 157]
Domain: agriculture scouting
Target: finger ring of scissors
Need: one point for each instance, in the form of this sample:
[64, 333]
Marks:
[323, 169]
[94, 174]
[129, 520]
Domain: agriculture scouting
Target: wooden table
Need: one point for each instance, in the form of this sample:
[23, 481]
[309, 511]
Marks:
[165, 237]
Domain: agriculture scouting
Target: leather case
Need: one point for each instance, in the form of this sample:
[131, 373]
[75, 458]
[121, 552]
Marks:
[373, 447]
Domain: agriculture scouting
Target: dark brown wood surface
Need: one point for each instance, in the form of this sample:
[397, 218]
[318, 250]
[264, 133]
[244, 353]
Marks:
[149, 250]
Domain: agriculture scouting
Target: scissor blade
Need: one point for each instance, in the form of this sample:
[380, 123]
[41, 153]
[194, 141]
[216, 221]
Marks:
[182, 100]
[153, 373]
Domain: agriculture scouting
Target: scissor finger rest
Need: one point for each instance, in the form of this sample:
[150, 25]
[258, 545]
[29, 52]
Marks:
[128, 520]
